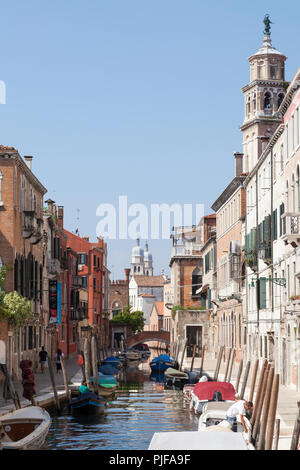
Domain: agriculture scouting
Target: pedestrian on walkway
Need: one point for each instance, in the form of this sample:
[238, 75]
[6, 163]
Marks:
[239, 408]
[27, 379]
[43, 358]
[59, 354]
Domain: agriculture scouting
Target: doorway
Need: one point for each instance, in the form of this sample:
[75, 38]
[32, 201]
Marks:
[194, 336]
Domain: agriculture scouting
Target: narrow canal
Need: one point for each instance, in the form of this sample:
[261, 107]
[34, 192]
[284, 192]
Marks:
[141, 407]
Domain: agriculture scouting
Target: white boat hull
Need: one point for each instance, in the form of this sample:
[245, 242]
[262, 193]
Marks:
[24, 429]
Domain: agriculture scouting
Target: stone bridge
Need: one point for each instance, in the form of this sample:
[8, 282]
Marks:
[145, 336]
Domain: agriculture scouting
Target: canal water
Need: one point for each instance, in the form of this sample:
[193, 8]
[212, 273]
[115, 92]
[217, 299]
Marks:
[141, 407]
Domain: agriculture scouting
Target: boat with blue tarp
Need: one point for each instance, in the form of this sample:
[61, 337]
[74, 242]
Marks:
[162, 363]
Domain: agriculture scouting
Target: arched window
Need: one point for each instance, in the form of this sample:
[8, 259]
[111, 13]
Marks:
[280, 99]
[196, 281]
[267, 100]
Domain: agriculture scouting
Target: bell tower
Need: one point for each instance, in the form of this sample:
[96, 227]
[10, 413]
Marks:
[262, 98]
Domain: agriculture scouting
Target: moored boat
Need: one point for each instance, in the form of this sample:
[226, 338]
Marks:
[132, 355]
[175, 377]
[25, 428]
[214, 414]
[162, 363]
[107, 390]
[87, 403]
[204, 392]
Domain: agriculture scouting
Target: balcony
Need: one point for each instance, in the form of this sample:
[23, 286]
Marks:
[265, 252]
[53, 266]
[291, 228]
[251, 259]
[189, 250]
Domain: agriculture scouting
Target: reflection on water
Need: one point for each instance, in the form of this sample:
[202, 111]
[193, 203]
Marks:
[141, 407]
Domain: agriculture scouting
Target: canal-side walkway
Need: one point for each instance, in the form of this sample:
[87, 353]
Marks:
[43, 386]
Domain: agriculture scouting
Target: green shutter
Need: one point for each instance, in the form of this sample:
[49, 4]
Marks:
[274, 225]
[262, 295]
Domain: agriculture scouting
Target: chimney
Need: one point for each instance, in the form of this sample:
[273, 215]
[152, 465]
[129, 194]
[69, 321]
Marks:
[238, 163]
[60, 216]
[28, 160]
[50, 206]
[127, 272]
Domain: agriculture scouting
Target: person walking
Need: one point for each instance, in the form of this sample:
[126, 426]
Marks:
[239, 408]
[59, 354]
[43, 358]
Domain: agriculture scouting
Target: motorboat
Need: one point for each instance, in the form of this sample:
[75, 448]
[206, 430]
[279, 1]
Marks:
[87, 403]
[195, 440]
[25, 428]
[175, 377]
[162, 363]
[204, 392]
[213, 413]
[132, 355]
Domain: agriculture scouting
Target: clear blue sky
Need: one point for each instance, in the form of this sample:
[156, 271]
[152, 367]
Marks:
[132, 97]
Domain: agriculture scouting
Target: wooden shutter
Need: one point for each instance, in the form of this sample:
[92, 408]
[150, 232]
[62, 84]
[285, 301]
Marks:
[262, 294]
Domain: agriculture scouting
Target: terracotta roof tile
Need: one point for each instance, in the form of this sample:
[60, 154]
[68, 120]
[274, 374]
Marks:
[149, 281]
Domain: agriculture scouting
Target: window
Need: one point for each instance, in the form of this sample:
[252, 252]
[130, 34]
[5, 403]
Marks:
[267, 100]
[82, 258]
[196, 280]
[280, 99]
[273, 70]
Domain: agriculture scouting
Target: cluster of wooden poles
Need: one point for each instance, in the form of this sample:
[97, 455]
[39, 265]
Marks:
[265, 425]
[91, 355]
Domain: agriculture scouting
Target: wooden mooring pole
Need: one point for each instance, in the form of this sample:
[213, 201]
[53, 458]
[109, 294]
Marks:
[258, 390]
[256, 426]
[265, 411]
[227, 366]
[218, 363]
[94, 364]
[183, 354]
[237, 384]
[245, 380]
[63, 367]
[254, 374]
[272, 413]
[231, 365]
[53, 383]
[296, 431]
[202, 360]
[87, 365]
[193, 358]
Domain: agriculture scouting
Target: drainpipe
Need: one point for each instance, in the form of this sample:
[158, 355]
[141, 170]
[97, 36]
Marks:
[256, 248]
[272, 234]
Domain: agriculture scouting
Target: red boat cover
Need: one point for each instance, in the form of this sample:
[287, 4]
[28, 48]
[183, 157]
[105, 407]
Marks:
[206, 390]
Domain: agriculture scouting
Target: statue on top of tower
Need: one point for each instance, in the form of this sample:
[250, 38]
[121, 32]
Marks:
[267, 22]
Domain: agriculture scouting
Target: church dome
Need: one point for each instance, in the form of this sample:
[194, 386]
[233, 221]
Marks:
[137, 250]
